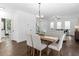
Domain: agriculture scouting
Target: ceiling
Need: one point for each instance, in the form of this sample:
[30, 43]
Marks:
[47, 9]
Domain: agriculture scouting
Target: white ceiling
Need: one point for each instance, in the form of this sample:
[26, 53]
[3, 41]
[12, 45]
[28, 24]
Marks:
[47, 9]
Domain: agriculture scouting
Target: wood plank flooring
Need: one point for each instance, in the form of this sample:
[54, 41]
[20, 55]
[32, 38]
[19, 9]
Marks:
[12, 48]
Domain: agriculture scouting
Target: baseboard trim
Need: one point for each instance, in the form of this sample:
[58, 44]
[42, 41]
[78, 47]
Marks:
[19, 41]
[22, 42]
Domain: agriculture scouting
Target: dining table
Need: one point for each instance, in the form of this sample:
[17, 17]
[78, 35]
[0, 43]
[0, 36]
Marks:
[48, 40]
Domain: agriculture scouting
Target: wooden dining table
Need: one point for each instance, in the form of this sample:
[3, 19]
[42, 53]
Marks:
[49, 38]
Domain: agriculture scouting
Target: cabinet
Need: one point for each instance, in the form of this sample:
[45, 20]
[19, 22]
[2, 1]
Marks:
[77, 35]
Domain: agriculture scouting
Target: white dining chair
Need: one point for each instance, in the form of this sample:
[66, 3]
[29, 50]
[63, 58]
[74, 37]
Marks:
[29, 42]
[37, 43]
[57, 46]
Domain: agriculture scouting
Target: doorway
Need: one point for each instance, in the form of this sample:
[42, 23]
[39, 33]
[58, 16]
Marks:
[5, 28]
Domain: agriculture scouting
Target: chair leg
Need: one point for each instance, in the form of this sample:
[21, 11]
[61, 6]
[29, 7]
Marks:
[27, 51]
[37, 52]
[40, 53]
[61, 54]
[33, 51]
[30, 50]
[58, 53]
[48, 51]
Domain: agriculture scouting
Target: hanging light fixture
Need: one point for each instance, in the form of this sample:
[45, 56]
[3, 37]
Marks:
[39, 12]
[39, 9]
[38, 21]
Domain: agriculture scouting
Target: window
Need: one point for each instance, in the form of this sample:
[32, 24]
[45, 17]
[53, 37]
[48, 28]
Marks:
[52, 25]
[67, 24]
[59, 25]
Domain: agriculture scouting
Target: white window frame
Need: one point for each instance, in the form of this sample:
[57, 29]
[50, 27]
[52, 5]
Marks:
[52, 25]
[67, 24]
[59, 25]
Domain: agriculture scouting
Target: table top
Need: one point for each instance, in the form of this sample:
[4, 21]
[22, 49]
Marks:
[49, 38]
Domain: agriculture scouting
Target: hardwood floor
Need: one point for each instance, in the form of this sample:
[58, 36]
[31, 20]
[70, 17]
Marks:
[12, 48]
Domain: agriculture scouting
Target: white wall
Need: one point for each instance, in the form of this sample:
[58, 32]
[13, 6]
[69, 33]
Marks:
[23, 24]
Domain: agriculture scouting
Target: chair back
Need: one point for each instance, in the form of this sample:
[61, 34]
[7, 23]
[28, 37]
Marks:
[60, 43]
[29, 40]
[36, 41]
